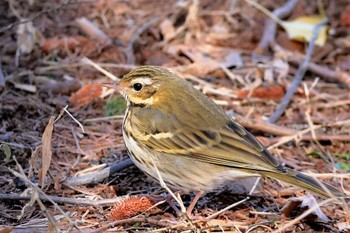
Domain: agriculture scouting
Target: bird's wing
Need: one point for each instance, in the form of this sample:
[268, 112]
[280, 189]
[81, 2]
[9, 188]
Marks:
[230, 145]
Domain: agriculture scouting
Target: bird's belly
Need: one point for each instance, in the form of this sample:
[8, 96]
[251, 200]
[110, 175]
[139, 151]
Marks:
[181, 173]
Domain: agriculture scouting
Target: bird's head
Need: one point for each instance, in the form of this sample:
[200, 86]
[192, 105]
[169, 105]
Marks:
[147, 85]
[166, 94]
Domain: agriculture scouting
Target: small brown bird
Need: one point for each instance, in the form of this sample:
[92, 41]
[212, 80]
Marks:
[193, 143]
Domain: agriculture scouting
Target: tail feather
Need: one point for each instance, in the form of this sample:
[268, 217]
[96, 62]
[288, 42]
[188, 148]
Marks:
[307, 182]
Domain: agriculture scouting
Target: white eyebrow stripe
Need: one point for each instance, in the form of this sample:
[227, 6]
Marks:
[146, 81]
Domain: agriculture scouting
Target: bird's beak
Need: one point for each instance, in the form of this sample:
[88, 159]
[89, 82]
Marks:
[113, 85]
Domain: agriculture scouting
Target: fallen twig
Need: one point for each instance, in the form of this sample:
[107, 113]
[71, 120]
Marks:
[308, 137]
[90, 29]
[323, 72]
[133, 220]
[271, 25]
[98, 176]
[2, 79]
[264, 126]
[69, 114]
[39, 191]
[87, 61]
[298, 76]
[66, 200]
[130, 48]
[299, 134]
[285, 131]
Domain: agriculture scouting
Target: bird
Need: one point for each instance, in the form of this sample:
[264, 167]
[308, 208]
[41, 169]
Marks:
[173, 130]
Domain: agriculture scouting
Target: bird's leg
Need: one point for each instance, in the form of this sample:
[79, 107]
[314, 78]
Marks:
[169, 199]
[193, 203]
[236, 203]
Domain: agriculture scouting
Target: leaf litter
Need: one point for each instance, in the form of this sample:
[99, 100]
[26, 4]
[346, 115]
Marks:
[210, 43]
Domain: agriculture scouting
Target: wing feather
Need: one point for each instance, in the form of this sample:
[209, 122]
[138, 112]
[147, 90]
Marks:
[230, 145]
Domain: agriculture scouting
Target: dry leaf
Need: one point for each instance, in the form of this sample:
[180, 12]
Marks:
[307, 201]
[86, 94]
[345, 17]
[301, 29]
[6, 229]
[199, 69]
[65, 43]
[46, 151]
[274, 92]
[27, 37]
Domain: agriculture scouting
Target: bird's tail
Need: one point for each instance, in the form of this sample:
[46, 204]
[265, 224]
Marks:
[307, 182]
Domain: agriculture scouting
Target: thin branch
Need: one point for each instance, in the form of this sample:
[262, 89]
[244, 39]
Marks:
[66, 200]
[129, 50]
[323, 72]
[132, 220]
[271, 26]
[87, 61]
[299, 134]
[98, 176]
[41, 192]
[298, 76]
[274, 17]
[285, 131]
[2, 78]
[80, 125]
[264, 126]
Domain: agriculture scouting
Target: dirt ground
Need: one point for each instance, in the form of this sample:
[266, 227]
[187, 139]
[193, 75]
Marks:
[57, 122]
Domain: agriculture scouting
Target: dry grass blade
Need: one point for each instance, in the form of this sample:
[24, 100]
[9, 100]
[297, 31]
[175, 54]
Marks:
[90, 29]
[163, 184]
[298, 135]
[74, 119]
[46, 150]
[99, 68]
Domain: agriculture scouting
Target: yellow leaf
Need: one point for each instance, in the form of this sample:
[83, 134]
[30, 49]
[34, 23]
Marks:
[46, 150]
[301, 29]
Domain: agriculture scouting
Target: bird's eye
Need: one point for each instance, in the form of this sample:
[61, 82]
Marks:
[137, 86]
